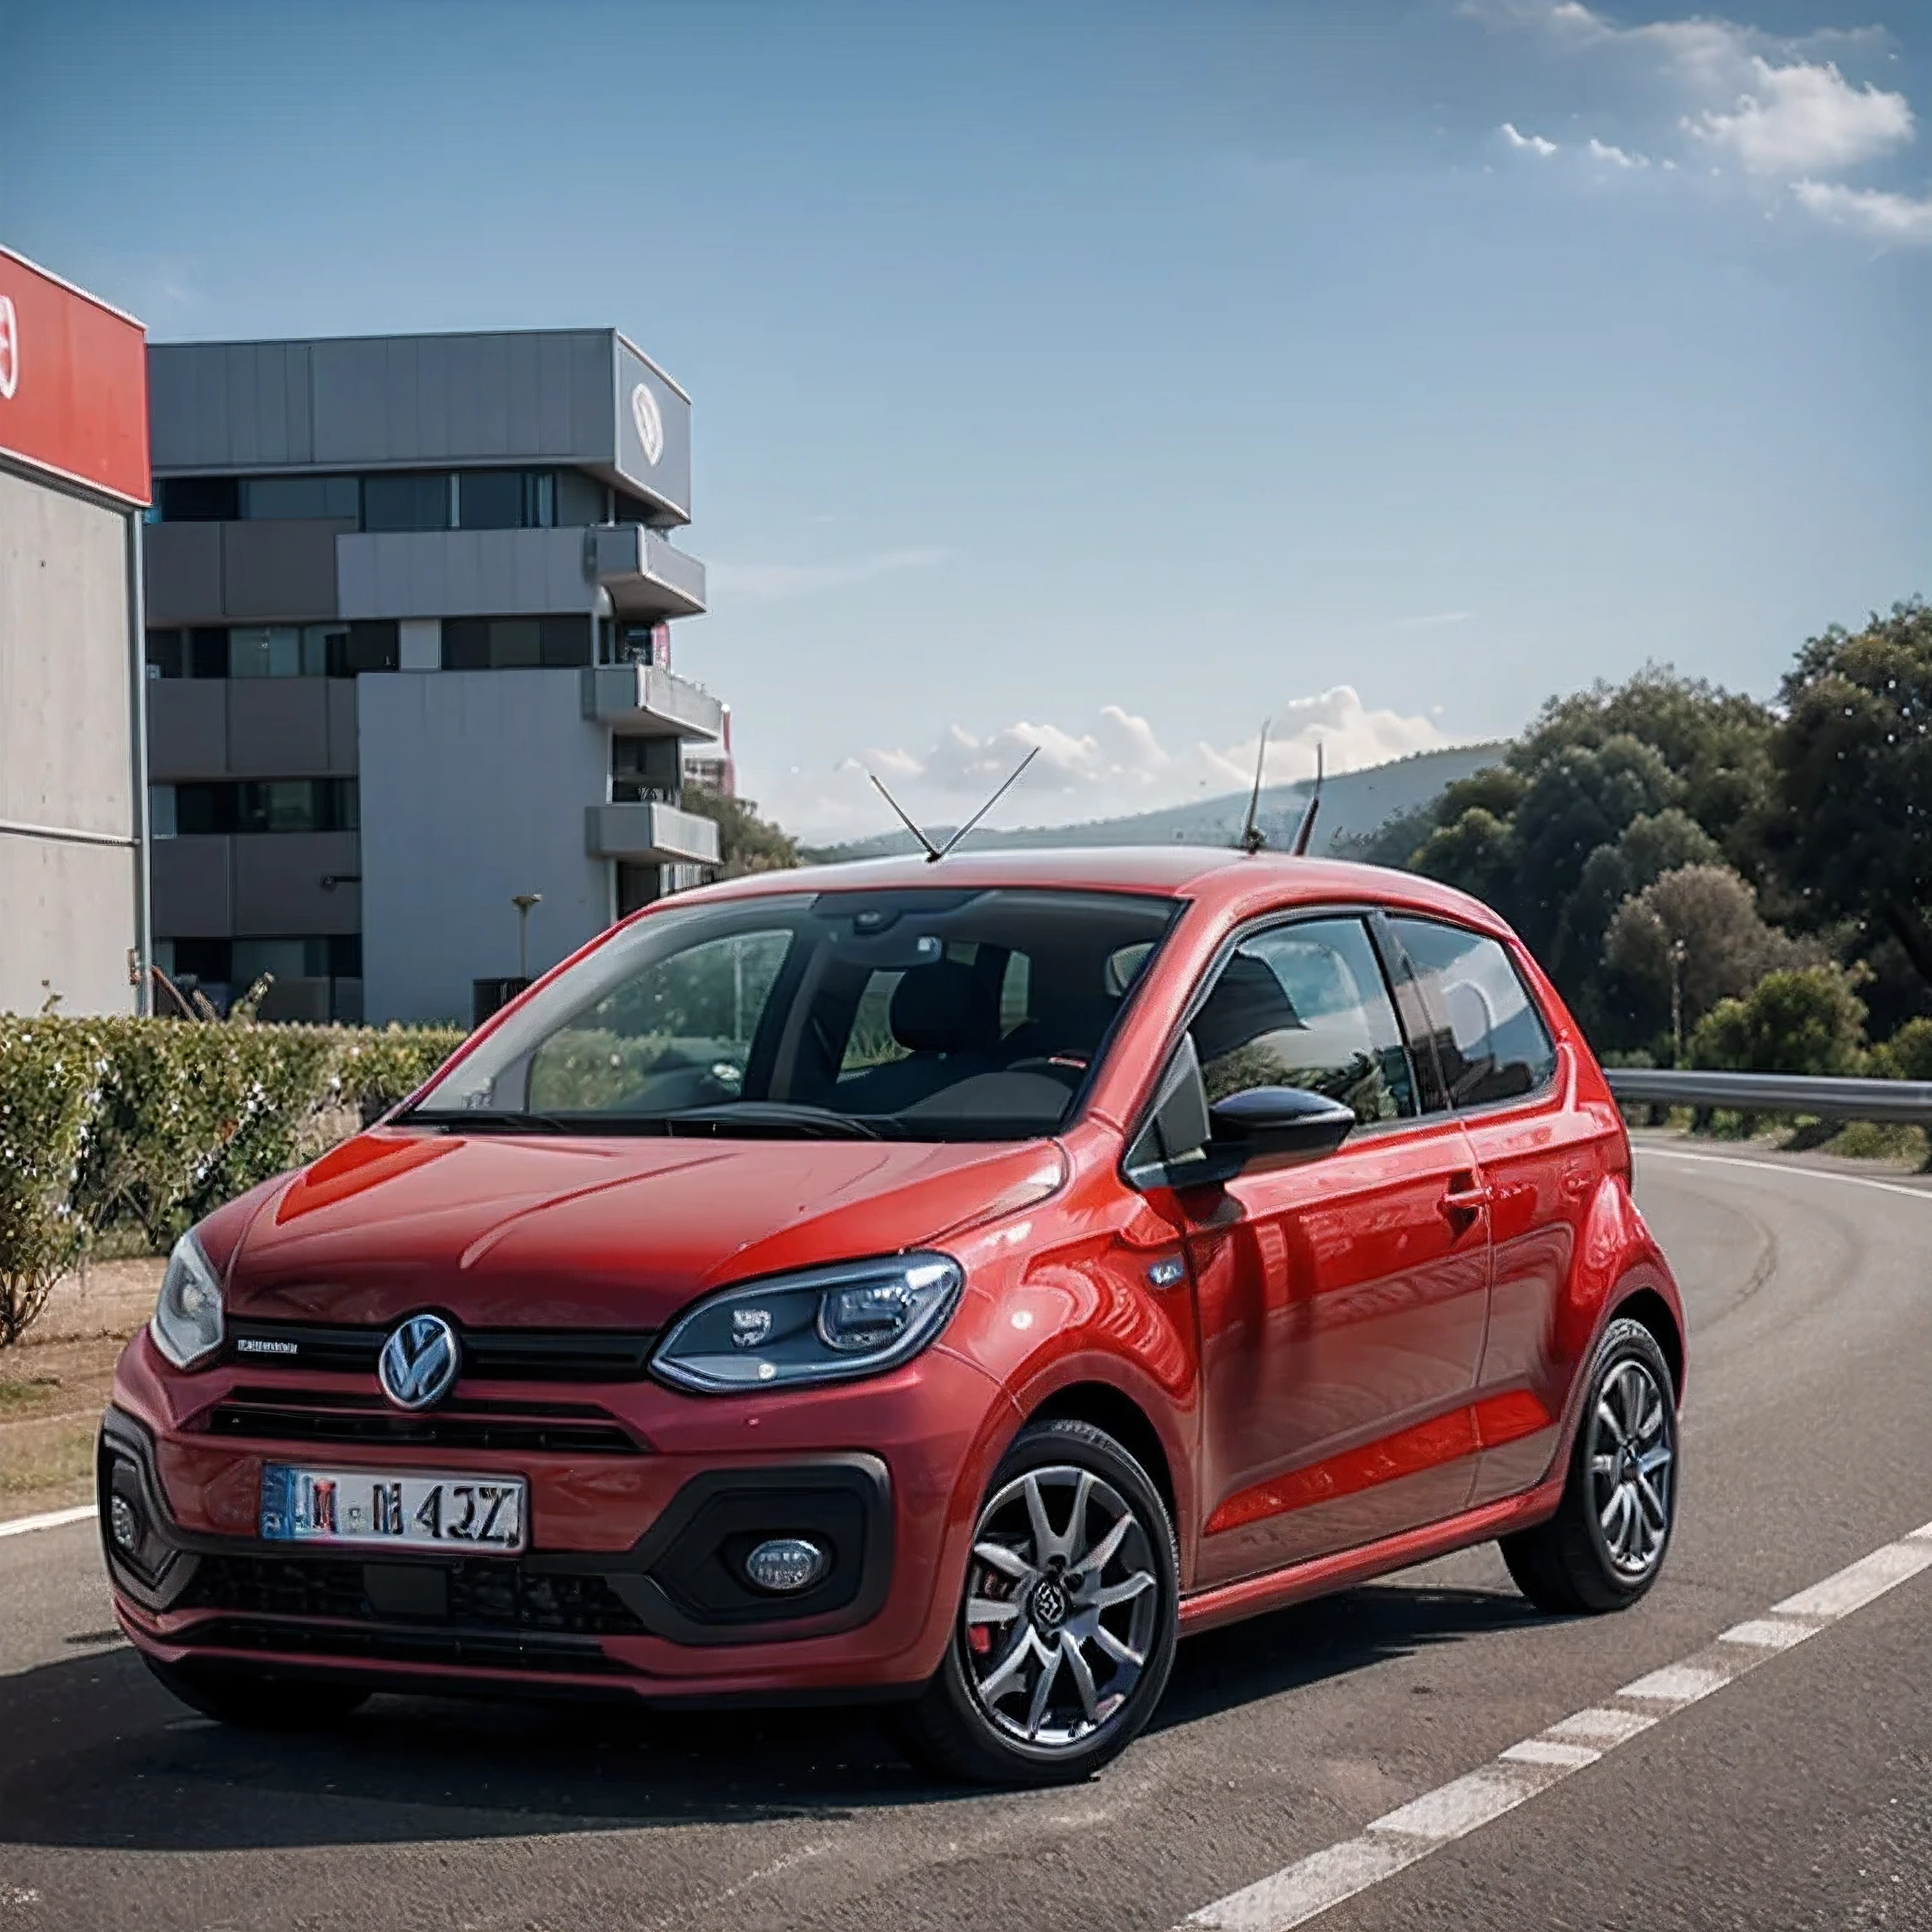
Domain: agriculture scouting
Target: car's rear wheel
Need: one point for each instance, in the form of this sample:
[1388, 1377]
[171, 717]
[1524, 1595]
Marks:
[1065, 1633]
[257, 1701]
[1605, 1545]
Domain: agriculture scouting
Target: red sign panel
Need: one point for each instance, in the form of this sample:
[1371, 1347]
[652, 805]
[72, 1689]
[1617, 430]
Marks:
[73, 383]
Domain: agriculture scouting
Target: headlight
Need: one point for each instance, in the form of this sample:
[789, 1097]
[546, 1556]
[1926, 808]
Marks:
[187, 1325]
[829, 1324]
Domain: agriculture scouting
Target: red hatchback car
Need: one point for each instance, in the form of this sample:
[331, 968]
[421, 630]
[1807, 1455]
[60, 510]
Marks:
[943, 1285]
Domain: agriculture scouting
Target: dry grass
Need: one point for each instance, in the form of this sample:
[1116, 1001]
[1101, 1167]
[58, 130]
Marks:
[54, 1385]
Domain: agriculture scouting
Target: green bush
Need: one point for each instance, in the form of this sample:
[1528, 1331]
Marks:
[149, 1124]
[49, 1072]
[1907, 1055]
[1803, 1021]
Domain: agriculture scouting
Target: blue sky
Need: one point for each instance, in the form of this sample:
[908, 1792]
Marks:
[1104, 375]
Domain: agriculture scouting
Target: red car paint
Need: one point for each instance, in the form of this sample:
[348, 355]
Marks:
[1365, 1360]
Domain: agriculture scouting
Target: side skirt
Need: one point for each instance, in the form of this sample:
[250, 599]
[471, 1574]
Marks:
[1229, 1602]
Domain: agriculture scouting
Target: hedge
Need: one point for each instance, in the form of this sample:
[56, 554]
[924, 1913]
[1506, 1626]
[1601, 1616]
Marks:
[146, 1125]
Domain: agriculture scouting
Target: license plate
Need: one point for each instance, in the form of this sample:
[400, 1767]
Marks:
[375, 1509]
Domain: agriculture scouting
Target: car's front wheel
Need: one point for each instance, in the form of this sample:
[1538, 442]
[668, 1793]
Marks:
[1605, 1545]
[1066, 1632]
[257, 1701]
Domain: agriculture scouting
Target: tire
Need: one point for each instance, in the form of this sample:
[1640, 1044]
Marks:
[1603, 1548]
[255, 1701]
[1054, 1668]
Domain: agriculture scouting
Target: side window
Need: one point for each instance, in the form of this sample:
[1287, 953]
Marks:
[1306, 1005]
[1493, 1043]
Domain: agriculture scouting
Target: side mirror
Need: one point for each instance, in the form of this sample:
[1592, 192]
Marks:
[1278, 1126]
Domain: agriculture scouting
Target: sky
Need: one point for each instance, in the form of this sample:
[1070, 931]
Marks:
[1107, 376]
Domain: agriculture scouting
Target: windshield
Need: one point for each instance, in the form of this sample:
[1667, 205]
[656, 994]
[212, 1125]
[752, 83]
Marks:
[927, 1014]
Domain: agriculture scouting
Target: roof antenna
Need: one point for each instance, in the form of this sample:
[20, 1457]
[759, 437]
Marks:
[1305, 830]
[1253, 837]
[905, 819]
[1013, 779]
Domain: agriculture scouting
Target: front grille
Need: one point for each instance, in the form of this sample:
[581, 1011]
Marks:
[329, 1415]
[488, 1354]
[481, 1595]
[563, 1656]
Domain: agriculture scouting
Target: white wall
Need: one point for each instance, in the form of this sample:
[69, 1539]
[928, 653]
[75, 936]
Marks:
[67, 907]
[473, 786]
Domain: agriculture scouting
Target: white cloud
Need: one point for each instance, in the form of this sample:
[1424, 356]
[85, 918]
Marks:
[1116, 763]
[1534, 143]
[769, 581]
[1803, 117]
[1763, 109]
[1873, 211]
[1432, 620]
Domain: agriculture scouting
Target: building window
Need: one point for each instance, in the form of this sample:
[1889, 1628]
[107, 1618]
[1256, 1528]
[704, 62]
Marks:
[198, 499]
[276, 650]
[514, 644]
[270, 499]
[424, 502]
[506, 500]
[280, 650]
[581, 500]
[160, 812]
[218, 807]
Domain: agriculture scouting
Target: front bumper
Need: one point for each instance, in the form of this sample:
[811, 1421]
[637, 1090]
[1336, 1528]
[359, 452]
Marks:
[630, 1583]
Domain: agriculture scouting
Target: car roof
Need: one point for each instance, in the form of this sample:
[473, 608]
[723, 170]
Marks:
[1236, 883]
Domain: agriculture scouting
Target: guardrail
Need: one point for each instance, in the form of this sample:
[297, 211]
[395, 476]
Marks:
[1831, 1097]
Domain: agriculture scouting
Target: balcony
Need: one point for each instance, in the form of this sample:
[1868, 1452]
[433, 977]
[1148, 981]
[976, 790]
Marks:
[645, 576]
[647, 834]
[639, 701]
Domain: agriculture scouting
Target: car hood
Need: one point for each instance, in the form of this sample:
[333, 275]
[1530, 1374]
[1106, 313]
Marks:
[537, 1232]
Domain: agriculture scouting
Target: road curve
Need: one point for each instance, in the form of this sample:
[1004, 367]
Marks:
[1798, 1796]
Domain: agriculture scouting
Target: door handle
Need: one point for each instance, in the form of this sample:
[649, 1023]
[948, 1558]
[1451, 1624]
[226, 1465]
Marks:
[1463, 1204]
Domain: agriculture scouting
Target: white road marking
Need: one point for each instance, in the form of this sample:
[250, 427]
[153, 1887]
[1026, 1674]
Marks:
[1310, 1886]
[53, 1520]
[1651, 1152]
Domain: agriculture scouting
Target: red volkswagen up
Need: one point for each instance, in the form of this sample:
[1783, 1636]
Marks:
[946, 1285]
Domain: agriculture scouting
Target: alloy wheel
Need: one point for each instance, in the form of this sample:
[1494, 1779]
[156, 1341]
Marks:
[1632, 1458]
[1062, 1608]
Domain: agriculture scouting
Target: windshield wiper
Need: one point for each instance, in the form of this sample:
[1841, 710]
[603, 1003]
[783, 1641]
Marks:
[775, 1117]
[489, 1120]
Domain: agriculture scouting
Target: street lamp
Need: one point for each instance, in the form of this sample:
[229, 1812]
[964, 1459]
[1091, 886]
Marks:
[1677, 1003]
[523, 902]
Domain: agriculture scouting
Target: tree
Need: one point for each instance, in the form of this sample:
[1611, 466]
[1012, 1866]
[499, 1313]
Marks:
[1804, 1021]
[1476, 853]
[1853, 833]
[1582, 798]
[746, 843]
[1717, 743]
[1712, 914]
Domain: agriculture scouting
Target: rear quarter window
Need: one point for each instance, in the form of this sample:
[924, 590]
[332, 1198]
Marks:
[1492, 1038]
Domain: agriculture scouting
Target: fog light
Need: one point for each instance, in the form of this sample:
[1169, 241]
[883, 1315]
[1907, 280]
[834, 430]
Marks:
[123, 1525]
[787, 1565]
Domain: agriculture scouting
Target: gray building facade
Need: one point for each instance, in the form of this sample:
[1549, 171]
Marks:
[408, 640]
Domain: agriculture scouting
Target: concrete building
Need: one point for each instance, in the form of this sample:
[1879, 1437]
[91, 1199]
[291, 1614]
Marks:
[73, 475]
[409, 602]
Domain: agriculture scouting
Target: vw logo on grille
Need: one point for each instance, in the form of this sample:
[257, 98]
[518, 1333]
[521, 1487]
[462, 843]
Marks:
[418, 1362]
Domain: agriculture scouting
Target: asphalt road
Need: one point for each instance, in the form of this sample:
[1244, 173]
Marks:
[1798, 1796]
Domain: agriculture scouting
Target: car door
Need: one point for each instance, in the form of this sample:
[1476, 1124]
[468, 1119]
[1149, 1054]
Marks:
[1341, 1302]
[1540, 1159]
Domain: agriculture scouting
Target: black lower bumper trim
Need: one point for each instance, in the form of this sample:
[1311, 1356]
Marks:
[683, 1580]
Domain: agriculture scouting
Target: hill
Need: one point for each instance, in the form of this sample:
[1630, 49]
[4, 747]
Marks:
[1351, 801]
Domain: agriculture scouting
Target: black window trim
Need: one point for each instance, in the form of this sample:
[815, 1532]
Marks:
[1439, 1020]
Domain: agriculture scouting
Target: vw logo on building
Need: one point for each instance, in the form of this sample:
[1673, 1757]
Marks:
[418, 1362]
[9, 352]
[650, 424]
